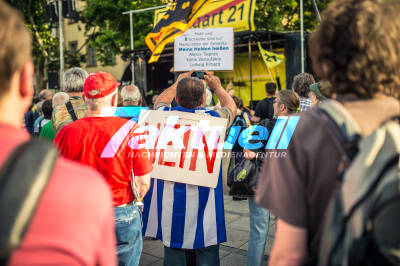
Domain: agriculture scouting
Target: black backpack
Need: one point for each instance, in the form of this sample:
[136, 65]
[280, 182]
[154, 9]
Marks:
[363, 218]
[239, 170]
[23, 178]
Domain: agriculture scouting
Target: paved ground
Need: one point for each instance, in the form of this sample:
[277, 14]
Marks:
[233, 252]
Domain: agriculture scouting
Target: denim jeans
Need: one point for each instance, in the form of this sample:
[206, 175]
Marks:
[208, 256]
[259, 225]
[128, 230]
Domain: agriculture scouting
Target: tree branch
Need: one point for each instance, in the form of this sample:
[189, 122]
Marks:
[35, 30]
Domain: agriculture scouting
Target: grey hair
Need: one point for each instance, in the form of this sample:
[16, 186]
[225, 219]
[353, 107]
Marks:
[60, 98]
[95, 104]
[74, 78]
[131, 93]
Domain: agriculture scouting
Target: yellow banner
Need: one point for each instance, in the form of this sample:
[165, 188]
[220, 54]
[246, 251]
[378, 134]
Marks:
[177, 18]
[271, 59]
[238, 14]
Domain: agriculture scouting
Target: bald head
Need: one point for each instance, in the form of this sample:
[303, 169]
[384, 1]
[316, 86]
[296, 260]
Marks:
[60, 98]
[131, 95]
[45, 95]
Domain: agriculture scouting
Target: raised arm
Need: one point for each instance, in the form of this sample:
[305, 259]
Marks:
[168, 95]
[224, 98]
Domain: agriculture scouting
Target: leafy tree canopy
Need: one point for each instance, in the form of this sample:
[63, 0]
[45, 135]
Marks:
[45, 45]
[109, 30]
[284, 15]
[109, 33]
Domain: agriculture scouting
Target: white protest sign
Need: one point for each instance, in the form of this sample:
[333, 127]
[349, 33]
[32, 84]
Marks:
[183, 147]
[204, 49]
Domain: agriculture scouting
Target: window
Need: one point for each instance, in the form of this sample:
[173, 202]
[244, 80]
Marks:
[92, 57]
[73, 47]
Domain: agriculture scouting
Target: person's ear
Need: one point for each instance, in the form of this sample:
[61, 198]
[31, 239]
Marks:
[203, 99]
[114, 100]
[26, 81]
[176, 99]
[281, 108]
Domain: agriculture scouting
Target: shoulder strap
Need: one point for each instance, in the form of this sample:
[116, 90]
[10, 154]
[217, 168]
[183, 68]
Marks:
[341, 126]
[40, 126]
[71, 111]
[23, 177]
[342, 118]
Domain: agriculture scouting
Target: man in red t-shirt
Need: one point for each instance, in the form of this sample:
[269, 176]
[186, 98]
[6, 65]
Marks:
[103, 143]
[73, 221]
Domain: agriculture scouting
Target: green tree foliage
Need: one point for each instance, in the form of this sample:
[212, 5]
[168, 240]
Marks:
[284, 15]
[108, 30]
[45, 45]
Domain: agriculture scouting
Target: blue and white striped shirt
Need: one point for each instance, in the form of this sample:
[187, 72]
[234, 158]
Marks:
[182, 215]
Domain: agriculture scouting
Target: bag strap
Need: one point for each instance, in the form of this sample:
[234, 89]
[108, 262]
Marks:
[342, 128]
[71, 111]
[40, 126]
[23, 177]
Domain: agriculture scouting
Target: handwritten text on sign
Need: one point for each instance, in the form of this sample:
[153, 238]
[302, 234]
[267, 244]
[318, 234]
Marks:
[204, 49]
[185, 146]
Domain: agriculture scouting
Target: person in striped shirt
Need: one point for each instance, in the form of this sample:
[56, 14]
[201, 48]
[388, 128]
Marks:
[187, 218]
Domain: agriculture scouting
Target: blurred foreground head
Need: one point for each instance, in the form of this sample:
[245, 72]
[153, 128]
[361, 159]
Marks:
[357, 47]
[16, 68]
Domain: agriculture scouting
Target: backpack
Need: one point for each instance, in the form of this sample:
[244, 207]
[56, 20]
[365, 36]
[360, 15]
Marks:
[67, 113]
[23, 178]
[242, 173]
[270, 112]
[362, 221]
[239, 170]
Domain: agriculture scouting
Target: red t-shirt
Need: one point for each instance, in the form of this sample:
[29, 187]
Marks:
[73, 223]
[102, 142]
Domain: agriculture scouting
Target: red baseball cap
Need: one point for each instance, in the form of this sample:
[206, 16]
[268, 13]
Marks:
[99, 85]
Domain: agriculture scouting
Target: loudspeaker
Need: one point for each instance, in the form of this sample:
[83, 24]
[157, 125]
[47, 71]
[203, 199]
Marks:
[293, 57]
[53, 80]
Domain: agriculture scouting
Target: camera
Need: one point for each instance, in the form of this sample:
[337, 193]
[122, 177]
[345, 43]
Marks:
[198, 74]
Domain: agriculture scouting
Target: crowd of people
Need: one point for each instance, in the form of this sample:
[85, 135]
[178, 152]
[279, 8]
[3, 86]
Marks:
[100, 199]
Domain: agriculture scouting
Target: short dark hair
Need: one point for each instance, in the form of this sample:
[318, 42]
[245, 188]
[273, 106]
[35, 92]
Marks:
[190, 92]
[356, 47]
[47, 109]
[15, 45]
[301, 84]
[270, 88]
